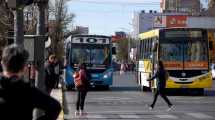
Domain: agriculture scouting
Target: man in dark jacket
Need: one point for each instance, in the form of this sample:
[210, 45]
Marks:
[17, 98]
[161, 84]
[50, 75]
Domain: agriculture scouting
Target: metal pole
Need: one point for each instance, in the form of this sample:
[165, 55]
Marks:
[40, 83]
[19, 27]
[41, 30]
[40, 74]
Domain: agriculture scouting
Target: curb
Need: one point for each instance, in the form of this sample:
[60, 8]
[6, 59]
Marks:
[58, 95]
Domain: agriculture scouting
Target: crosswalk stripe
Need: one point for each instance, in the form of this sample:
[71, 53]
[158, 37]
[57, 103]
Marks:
[200, 116]
[166, 116]
[95, 116]
[129, 116]
[136, 116]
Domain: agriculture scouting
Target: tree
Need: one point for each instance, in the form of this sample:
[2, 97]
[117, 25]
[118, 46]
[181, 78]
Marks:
[211, 8]
[58, 25]
[6, 23]
[122, 49]
[30, 18]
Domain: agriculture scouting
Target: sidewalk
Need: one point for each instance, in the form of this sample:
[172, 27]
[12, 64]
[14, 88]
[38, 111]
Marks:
[57, 94]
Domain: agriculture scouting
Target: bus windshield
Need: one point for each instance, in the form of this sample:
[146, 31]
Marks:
[171, 52]
[195, 51]
[184, 53]
[90, 55]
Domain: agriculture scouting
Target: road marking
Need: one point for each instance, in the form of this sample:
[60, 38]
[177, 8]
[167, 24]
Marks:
[166, 116]
[200, 116]
[85, 116]
[95, 116]
[129, 116]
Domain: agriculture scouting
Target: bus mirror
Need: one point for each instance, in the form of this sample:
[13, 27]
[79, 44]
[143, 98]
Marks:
[154, 46]
[114, 50]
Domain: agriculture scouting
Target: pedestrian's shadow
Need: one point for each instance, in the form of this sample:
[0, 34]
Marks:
[65, 105]
[209, 93]
[185, 92]
[117, 88]
[125, 88]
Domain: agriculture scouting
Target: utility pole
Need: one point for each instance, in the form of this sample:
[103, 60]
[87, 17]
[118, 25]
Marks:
[41, 30]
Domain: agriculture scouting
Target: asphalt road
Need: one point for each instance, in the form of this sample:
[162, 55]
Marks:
[124, 100]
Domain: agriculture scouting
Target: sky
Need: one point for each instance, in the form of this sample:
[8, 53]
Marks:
[105, 17]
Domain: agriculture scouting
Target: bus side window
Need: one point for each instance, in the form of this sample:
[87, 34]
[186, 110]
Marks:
[154, 45]
[114, 50]
[211, 45]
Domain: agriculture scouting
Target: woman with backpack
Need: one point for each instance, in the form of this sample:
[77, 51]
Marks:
[161, 76]
[82, 85]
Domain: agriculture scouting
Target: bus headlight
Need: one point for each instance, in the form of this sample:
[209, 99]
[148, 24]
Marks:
[107, 74]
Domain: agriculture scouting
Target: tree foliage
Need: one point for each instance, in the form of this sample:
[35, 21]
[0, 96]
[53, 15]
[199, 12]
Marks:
[122, 50]
[60, 18]
[6, 23]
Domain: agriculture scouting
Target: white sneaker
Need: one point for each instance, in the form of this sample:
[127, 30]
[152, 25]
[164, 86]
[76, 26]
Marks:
[150, 107]
[76, 113]
[81, 112]
[170, 108]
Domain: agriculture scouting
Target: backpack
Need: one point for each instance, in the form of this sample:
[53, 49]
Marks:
[78, 82]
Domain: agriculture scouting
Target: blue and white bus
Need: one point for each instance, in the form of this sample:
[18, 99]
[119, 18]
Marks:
[96, 52]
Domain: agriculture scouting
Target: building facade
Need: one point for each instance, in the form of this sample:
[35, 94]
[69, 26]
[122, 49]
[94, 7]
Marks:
[193, 7]
[143, 21]
[82, 30]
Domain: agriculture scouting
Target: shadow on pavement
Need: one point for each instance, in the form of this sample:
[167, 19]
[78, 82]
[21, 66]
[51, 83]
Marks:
[209, 92]
[125, 88]
[117, 88]
[65, 106]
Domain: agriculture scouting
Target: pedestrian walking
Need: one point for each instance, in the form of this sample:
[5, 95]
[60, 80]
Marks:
[123, 68]
[82, 89]
[18, 99]
[161, 76]
[50, 75]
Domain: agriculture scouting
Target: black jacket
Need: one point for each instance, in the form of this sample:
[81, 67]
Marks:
[160, 76]
[18, 99]
[50, 76]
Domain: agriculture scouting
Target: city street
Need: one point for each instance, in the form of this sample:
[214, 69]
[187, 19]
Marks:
[125, 101]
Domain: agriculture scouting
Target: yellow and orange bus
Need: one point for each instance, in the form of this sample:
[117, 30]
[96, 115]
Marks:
[185, 53]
